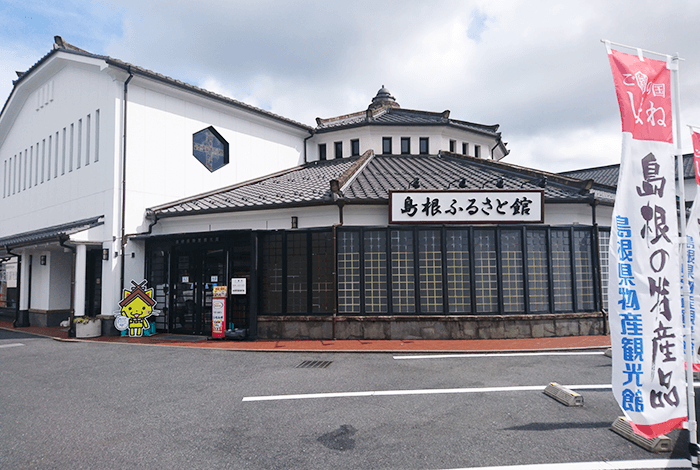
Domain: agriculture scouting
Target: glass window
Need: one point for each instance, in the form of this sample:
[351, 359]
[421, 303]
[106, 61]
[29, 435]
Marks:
[465, 148]
[424, 147]
[405, 145]
[321, 151]
[355, 147]
[585, 300]
[430, 270]
[453, 146]
[458, 286]
[296, 273]
[386, 145]
[403, 283]
[512, 271]
[272, 273]
[485, 271]
[349, 272]
[338, 149]
[375, 271]
[537, 271]
[477, 151]
[322, 292]
[560, 245]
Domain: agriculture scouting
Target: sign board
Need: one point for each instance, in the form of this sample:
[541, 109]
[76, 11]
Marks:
[238, 286]
[466, 207]
[218, 318]
[219, 292]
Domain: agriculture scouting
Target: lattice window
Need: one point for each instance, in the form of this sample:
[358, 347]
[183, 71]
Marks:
[561, 270]
[485, 271]
[349, 272]
[458, 286]
[537, 270]
[604, 251]
[430, 270]
[403, 282]
[585, 300]
[272, 273]
[296, 273]
[322, 292]
[375, 272]
[512, 271]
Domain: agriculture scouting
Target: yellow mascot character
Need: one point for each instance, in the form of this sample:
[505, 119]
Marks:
[137, 305]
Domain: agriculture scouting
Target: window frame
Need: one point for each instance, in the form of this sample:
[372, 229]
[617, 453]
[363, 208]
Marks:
[338, 150]
[387, 145]
[354, 147]
[424, 145]
[407, 141]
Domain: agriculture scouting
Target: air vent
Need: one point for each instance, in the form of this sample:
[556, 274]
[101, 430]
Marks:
[314, 364]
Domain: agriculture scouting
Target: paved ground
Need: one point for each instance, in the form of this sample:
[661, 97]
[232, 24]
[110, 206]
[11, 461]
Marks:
[530, 344]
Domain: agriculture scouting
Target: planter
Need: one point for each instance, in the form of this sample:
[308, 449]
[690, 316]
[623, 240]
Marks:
[91, 329]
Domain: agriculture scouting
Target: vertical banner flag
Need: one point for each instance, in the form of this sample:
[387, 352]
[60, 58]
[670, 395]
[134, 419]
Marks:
[646, 324]
[693, 236]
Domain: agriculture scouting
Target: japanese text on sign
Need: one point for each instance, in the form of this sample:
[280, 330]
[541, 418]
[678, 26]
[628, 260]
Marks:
[472, 207]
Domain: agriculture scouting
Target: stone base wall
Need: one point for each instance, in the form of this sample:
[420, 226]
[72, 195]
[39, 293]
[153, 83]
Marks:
[47, 318]
[433, 327]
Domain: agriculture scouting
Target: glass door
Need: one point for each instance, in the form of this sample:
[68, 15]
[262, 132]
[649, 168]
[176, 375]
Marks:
[185, 291]
[195, 274]
[213, 275]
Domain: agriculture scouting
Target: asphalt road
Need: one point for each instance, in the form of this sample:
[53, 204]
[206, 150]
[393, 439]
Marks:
[102, 405]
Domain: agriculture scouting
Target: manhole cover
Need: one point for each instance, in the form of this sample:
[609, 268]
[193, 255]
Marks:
[314, 365]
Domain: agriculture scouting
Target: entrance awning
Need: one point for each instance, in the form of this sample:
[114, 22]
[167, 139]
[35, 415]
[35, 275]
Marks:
[49, 234]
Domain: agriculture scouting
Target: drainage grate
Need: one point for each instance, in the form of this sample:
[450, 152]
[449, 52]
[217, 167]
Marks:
[314, 364]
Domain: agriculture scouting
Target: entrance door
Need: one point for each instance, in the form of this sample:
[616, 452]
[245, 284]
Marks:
[196, 273]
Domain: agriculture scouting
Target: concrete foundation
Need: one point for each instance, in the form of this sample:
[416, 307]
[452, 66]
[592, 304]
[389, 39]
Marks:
[50, 318]
[419, 327]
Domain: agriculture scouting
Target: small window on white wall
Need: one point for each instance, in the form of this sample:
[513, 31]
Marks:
[355, 147]
[477, 151]
[453, 146]
[321, 151]
[338, 149]
[423, 144]
[465, 148]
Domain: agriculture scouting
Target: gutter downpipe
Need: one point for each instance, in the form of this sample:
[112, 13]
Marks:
[19, 283]
[307, 138]
[123, 221]
[71, 331]
[335, 191]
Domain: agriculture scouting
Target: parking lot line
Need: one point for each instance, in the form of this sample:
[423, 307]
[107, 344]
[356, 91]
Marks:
[606, 465]
[437, 391]
[11, 345]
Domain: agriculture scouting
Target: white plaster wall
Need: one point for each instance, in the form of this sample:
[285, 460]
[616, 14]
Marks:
[40, 280]
[160, 164]
[567, 214]
[58, 189]
[371, 138]
[280, 219]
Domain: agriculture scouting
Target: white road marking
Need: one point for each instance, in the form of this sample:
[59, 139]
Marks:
[11, 345]
[436, 391]
[607, 465]
[519, 354]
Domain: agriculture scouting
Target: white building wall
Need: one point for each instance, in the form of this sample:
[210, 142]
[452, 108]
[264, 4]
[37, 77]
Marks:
[44, 179]
[371, 138]
[160, 164]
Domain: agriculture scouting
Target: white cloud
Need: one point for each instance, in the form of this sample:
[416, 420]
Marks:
[536, 68]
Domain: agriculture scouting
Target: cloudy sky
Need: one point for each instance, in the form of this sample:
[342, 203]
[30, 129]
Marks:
[536, 68]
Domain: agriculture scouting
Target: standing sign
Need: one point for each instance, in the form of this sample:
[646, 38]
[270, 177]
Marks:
[646, 325]
[218, 312]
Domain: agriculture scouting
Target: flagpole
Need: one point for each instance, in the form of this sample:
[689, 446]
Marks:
[690, 386]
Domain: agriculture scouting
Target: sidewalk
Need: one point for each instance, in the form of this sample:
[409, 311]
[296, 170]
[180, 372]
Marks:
[405, 346]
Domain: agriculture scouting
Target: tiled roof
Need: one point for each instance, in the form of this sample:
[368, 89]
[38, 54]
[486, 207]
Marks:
[400, 117]
[62, 46]
[50, 233]
[609, 174]
[368, 179]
